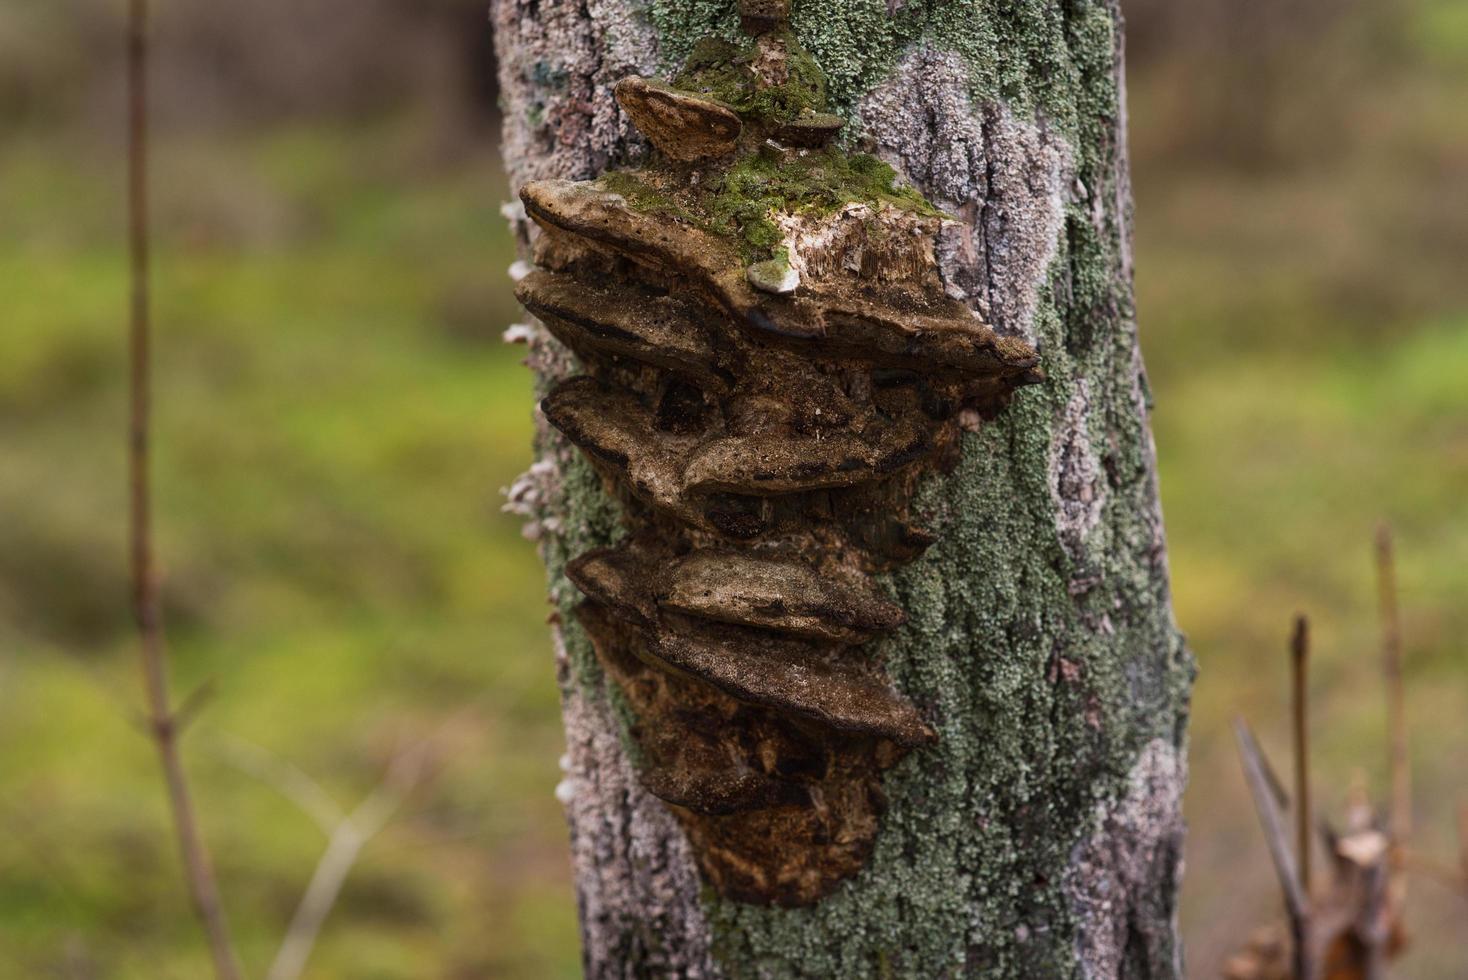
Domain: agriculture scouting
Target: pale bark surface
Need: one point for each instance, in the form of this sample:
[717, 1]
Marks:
[1042, 836]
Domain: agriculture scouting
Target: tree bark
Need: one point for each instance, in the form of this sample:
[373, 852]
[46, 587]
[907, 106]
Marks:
[1042, 835]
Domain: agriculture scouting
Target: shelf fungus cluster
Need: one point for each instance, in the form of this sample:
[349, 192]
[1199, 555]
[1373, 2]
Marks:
[771, 364]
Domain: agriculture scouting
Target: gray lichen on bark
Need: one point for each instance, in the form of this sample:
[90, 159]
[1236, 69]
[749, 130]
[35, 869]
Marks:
[558, 61]
[1041, 642]
[1004, 177]
[1077, 482]
[1126, 874]
[635, 875]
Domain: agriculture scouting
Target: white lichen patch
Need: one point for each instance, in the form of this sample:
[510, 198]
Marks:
[533, 496]
[1132, 856]
[1077, 480]
[520, 333]
[513, 211]
[1006, 179]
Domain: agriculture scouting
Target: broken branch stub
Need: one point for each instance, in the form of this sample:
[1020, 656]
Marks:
[772, 363]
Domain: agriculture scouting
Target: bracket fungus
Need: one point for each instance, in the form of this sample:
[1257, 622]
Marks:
[772, 362]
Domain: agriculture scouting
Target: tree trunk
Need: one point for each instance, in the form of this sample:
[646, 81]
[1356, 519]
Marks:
[1041, 834]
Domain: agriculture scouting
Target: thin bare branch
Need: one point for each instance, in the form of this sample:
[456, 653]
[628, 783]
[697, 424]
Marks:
[346, 833]
[1400, 822]
[1276, 785]
[344, 845]
[289, 780]
[147, 608]
[1277, 838]
[1304, 818]
[193, 705]
[1463, 843]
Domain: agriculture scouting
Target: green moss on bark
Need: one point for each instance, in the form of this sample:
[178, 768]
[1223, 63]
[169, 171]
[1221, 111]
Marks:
[722, 71]
[1010, 48]
[740, 203]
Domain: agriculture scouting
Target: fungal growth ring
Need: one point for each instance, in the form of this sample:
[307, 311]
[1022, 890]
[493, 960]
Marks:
[772, 362]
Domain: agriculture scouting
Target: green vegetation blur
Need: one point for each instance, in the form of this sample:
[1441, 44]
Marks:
[336, 416]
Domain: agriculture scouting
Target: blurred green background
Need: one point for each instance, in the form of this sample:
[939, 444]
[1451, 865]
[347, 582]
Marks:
[337, 415]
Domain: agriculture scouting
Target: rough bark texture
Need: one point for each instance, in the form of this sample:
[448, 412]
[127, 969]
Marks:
[1042, 835]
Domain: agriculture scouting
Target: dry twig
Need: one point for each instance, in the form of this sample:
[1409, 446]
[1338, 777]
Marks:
[163, 724]
[1351, 925]
[1400, 821]
[1304, 819]
[1297, 904]
[1463, 843]
[343, 845]
[346, 833]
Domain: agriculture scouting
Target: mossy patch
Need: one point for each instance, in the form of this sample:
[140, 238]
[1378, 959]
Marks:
[818, 183]
[740, 204]
[645, 197]
[723, 71]
[741, 200]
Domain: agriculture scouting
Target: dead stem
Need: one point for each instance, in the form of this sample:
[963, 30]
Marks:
[344, 844]
[162, 723]
[1304, 819]
[1271, 820]
[1463, 844]
[1400, 824]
